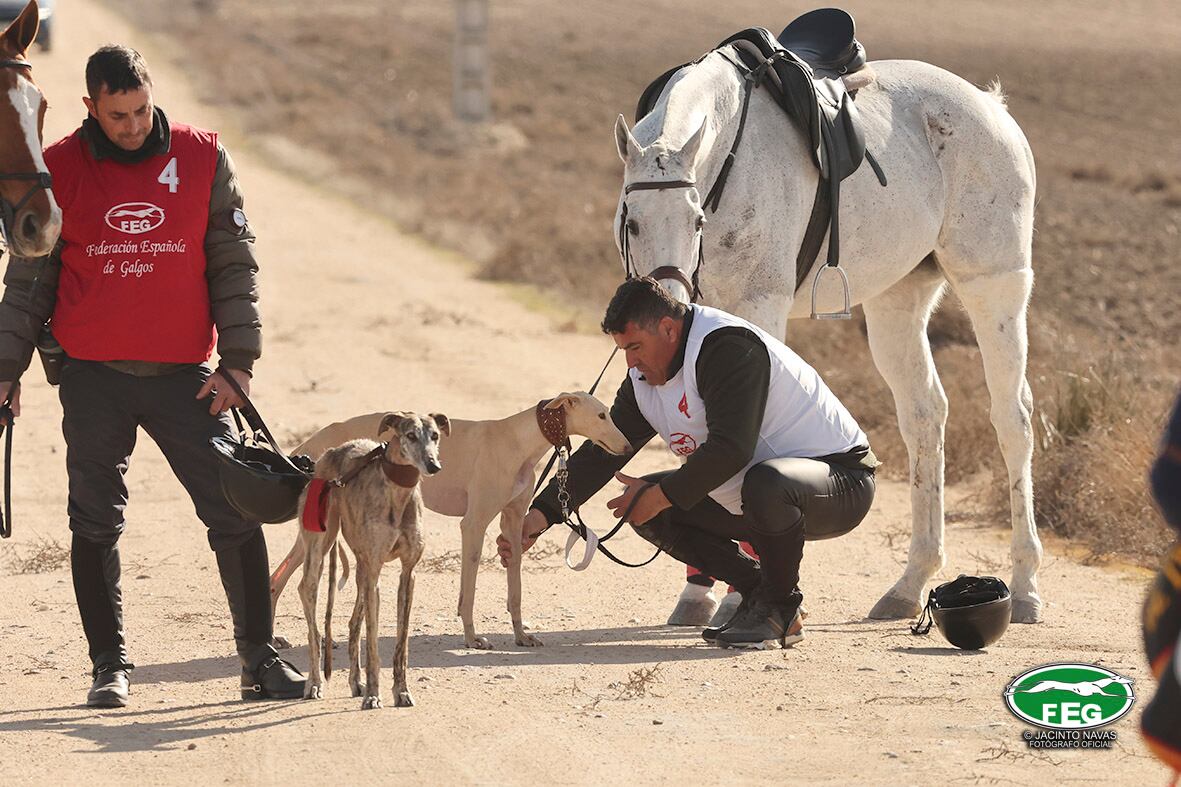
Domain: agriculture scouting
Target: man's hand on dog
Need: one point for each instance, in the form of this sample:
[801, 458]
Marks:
[535, 525]
[224, 396]
[650, 504]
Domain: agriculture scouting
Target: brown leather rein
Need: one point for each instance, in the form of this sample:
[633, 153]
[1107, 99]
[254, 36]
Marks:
[405, 476]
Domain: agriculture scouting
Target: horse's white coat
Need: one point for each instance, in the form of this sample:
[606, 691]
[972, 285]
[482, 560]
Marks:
[958, 211]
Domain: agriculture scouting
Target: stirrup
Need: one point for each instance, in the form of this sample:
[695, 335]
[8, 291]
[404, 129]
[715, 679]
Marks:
[841, 315]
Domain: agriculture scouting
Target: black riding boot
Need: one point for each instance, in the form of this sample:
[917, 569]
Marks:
[96, 573]
[245, 577]
[712, 555]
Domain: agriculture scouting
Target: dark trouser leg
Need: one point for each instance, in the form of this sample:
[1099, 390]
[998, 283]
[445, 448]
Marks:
[182, 426]
[704, 537]
[99, 427]
[788, 500]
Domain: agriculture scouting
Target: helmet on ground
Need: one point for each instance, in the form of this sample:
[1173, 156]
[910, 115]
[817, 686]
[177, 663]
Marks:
[971, 612]
[262, 485]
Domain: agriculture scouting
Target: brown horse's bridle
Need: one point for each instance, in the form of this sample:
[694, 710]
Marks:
[41, 180]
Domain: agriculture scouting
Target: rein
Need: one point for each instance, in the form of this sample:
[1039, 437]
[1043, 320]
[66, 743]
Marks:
[41, 180]
[6, 425]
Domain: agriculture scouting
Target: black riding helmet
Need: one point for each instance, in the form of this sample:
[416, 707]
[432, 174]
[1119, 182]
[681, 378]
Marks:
[260, 484]
[971, 612]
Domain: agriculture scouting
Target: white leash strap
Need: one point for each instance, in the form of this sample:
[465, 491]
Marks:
[592, 544]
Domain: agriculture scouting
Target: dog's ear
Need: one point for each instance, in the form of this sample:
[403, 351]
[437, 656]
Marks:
[443, 422]
[566, 400]
[389, 421]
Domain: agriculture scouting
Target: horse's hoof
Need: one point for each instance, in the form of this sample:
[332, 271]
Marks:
[726, 609]
[693, 612]
[402, 699]
[311, 692]
[1026, 610]
[529, 641]
[892, 607]
[479, 643]
[371, 703]
[280, 643]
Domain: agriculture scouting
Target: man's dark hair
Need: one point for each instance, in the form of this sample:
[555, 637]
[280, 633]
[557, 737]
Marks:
[118, 69]
[643, 301]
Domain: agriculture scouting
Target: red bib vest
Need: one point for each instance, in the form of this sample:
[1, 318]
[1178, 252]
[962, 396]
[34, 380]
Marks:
[132, 285]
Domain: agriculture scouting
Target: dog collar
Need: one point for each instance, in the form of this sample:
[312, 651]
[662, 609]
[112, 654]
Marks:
[552, 423]
[405, 476]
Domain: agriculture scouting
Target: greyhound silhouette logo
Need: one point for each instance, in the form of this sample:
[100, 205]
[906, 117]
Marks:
[682, 444]
[135, 218]
[684, 406]
[1069, 696]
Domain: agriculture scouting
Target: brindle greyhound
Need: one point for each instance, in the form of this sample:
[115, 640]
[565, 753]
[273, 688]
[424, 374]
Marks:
[488, 468]
[377, 507]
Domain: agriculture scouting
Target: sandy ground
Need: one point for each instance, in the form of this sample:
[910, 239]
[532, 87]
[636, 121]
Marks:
[359, 318]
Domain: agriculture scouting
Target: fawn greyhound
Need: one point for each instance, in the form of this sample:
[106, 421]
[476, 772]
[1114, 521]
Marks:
[374, 501]
[488, 469]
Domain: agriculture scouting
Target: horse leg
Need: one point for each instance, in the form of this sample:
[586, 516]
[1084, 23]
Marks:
[896, 322]
[996, 304]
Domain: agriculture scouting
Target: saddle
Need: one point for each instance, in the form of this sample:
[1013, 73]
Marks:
[802, 70]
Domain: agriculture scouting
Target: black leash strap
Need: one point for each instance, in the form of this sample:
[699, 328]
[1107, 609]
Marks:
[581, 530]
[7, 423]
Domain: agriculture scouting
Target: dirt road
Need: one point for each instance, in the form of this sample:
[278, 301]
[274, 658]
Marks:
[359, 317]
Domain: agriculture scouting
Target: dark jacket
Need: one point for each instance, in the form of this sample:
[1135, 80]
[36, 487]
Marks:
[30, 285]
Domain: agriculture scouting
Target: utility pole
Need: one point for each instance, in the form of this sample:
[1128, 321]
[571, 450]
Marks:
[472, 81]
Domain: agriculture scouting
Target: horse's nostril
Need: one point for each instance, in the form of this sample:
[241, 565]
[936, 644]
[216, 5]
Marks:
[30, 227]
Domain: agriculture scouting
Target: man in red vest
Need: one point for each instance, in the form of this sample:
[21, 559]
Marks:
[155, 267]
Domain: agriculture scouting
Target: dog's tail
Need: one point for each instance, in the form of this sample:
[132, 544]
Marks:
[328, 614]
[344, 574]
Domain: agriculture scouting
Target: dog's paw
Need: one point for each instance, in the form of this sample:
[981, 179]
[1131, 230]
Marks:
[371, 703]
[479, 643]
[312, 692]
[529, 641]
[281, 643]
[402, 699]
[357, 689]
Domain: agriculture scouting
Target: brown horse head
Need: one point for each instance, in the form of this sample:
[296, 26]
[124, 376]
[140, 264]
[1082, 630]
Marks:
[31, 217]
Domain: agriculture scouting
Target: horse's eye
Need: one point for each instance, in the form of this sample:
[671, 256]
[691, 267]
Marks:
[633, 226]
[700, 222]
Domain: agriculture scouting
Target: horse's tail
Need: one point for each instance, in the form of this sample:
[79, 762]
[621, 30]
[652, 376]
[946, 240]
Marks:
[328, 614]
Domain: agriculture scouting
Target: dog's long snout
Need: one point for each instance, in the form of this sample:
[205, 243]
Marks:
[433, 467]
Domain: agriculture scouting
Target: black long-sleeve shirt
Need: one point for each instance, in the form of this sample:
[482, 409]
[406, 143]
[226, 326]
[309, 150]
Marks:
[733, 377]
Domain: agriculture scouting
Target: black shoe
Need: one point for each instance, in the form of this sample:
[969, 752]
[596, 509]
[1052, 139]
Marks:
[111, 686]
[273, 679]
[710, 633]
[765, 624]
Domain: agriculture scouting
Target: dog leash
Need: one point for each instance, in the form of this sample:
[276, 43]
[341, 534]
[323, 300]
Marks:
[7, 422]
[595, 543]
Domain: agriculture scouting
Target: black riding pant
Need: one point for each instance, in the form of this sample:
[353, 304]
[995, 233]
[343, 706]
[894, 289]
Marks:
[102, 410]
[785, 502]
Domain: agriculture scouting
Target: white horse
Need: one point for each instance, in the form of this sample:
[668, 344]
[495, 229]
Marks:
[958, 211]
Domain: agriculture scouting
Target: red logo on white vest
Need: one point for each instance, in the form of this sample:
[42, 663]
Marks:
[682, 444]
[135, 218]
[684, 406]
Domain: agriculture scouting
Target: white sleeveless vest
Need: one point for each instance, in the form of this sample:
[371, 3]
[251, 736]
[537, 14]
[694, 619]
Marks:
[802, 418]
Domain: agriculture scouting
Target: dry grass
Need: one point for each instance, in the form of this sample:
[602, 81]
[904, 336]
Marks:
[42, 556]
[1098, 433]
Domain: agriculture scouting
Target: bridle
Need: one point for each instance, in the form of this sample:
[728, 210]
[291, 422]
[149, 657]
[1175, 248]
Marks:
[673, 272]
[41, 180]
